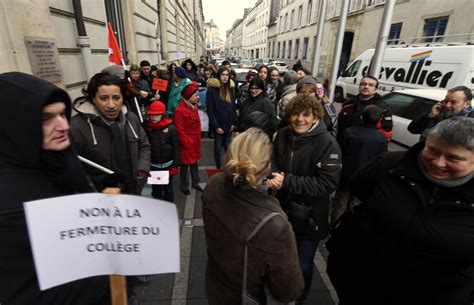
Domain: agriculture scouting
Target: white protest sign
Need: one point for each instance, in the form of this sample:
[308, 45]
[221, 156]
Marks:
[159, 177]
[79, 236]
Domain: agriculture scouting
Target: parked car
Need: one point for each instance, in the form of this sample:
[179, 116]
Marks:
[281, 65]
[407, 105]
[262, 61]
[247, 64]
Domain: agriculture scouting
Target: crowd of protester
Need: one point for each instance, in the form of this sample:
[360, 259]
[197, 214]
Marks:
[293, 173]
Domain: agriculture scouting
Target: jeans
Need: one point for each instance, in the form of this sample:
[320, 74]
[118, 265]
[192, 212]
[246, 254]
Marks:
[306, 252]
[220, 140]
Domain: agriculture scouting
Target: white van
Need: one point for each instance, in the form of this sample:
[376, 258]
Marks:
[412, 67]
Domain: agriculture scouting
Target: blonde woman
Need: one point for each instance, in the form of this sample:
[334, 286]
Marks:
[234, 203]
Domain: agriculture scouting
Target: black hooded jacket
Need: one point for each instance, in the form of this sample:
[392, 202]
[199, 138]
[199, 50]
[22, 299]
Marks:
[312, 165]
[28, 173]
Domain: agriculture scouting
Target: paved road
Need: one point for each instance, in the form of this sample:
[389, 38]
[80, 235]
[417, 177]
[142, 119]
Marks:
[187, 287]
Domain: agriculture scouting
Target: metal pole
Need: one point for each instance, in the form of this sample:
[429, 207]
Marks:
[83, 41]
[337, 51]
[382, 38]
[319, 37]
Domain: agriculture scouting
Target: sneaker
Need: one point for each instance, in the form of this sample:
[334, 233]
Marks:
[186, 191]
[197, 187]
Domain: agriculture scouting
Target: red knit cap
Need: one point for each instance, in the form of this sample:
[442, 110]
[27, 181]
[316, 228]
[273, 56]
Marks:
[188, 91]
[156, 108]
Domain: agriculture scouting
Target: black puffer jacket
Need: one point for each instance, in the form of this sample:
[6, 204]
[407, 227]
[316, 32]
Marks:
[312, 165]
[164, 144]
[417, 240]
[351, 111]
[257, 103]
[25, 176]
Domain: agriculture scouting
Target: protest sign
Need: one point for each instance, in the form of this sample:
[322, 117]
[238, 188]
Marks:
[159, 177]
[159, 84]
[79, 236]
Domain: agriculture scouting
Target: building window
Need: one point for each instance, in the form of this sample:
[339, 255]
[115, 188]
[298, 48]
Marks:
[434, 29]
[278, 50]
[283, 50]
[287, 22]
[289, 48]
[394, 33]
[281, 24]
[297, 48]
[293, 23]
[113, 10]
[300, 15]
[309, 12]
[305, 47]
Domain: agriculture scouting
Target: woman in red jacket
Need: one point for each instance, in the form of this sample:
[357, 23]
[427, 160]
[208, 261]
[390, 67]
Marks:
[188, 126]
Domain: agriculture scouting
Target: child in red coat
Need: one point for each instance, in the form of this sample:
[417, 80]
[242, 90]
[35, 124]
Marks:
[188, 127]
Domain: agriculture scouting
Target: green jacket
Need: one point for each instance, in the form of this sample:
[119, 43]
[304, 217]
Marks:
[175, 95]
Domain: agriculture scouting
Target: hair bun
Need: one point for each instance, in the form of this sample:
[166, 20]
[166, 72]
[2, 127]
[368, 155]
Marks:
[239, 181]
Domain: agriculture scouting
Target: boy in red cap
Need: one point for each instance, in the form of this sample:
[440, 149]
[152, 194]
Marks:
[164, 146]
[188, 126]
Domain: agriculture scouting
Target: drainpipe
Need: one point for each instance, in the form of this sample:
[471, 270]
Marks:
[83, 40]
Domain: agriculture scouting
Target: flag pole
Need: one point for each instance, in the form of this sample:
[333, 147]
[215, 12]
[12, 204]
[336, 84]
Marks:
[113, 45]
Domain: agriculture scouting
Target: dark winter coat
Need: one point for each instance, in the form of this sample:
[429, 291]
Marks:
[92, 138]
[423, 124]
[312, 165]
[221, 113]
[230, 214]
[26, 174]
[258, 103]
[415, 242]
[164, 145]
[359, 144]
[351, 111]
[188, 127]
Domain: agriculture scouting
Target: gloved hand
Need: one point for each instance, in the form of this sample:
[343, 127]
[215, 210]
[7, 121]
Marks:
[117, 179]
[142, 174]
[174, 171]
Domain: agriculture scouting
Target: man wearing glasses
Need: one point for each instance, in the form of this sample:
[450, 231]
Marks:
[456, 103]
[351, 111]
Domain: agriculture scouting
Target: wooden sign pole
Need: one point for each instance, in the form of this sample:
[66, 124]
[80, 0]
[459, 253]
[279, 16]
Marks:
[118, 286]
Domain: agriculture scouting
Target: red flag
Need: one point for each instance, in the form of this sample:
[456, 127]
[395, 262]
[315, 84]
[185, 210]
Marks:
[115, 55]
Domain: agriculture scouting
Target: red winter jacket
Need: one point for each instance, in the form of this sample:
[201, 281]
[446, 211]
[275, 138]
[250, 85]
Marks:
[188, 126]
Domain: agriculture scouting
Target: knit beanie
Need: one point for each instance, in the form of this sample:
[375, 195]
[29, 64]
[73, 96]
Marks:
[180, 72]
[305, 80]
[290, 78]
[188, 91]
[115, 70]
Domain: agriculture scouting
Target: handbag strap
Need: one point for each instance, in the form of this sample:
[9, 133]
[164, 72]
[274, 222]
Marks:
[257, 228]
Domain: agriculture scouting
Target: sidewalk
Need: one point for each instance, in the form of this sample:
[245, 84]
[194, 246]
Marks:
[188, 286]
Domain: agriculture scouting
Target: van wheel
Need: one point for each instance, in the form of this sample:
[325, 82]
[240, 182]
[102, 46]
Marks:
[339, 95]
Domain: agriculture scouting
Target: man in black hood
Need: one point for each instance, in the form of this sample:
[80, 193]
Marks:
[36, 162]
